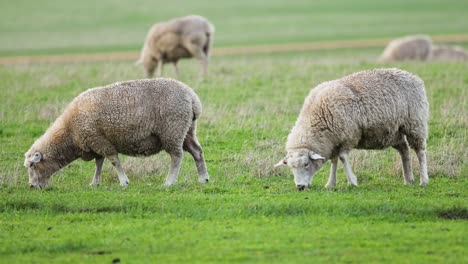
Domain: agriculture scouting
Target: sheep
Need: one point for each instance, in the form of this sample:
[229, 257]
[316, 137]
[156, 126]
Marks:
[183, 37]
[447, 53]
[371, 109]
[416, 47]
[136, 118]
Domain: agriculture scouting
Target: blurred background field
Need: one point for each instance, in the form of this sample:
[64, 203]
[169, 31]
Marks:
[250, 212]
[55, 26]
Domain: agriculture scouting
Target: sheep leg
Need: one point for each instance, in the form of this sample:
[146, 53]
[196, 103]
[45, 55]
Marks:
[403, 149]
[192, 145]
[198, 53]
[123, 179]
[203, 59]
[159, 68]
[97, 172]
[352, 180]
[332, 179]
[176, 70]
[176, 161]
[204, 63]
[418, 143]
[424, 179]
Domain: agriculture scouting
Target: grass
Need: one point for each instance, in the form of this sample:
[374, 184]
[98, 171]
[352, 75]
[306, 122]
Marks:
[56, 26]
[250, 212]
[226, 224]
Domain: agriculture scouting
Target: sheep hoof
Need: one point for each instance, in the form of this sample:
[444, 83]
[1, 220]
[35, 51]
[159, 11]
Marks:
[300, 187]
[124, 184]
[167, 184]
[409, 182]
[204, 180]
[424, 183]
[330, 186]
[92, 184]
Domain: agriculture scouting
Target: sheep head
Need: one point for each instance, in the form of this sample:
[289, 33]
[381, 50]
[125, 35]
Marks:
[40, 168]
[304, 164]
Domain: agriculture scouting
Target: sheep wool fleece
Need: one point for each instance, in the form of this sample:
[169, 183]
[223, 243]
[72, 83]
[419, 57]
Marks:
[368, 110]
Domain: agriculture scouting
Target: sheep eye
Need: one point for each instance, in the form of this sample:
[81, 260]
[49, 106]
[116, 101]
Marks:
[306, 165]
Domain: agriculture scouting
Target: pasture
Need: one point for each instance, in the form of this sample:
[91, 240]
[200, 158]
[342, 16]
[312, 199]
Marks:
[249, 212]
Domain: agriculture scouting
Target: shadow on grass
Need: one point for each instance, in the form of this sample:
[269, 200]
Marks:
[223, 208]
[455, 213]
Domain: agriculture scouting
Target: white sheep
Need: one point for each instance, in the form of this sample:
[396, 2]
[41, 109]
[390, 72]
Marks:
[137, 118]
[183, 37]
[408, 48]
[448, 53]
[371, 109]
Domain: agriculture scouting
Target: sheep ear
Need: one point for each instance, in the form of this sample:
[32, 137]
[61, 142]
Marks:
[281, 163]
[315, 156]
[36, 157]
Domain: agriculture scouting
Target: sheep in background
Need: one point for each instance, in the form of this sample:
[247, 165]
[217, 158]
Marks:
[446, 53]
[408, 48]
[169, 41]
[137, 118]
[371, 109]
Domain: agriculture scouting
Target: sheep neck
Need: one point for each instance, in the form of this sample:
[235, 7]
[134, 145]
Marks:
[307, 137]
[59, 146]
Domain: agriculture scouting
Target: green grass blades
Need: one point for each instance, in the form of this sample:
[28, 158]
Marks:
[227, 224]
[249, 212]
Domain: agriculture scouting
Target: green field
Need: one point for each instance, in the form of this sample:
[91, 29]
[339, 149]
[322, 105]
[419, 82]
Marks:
[57, 26]
[249, 212]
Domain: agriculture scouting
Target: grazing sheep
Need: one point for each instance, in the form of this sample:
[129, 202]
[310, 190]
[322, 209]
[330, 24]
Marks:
[169, 41]
[446, 53]
[137, 118]
[408, 48]
[371, 109]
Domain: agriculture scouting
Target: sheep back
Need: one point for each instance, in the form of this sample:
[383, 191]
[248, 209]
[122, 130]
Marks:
[169, 38]
[446, 53]
[408, 48]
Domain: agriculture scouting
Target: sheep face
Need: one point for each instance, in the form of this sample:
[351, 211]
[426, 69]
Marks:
[39, 169]
[304, 164]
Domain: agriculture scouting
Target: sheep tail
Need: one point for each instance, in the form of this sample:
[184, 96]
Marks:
[206, 48]
[209, 33]
[196, 107]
